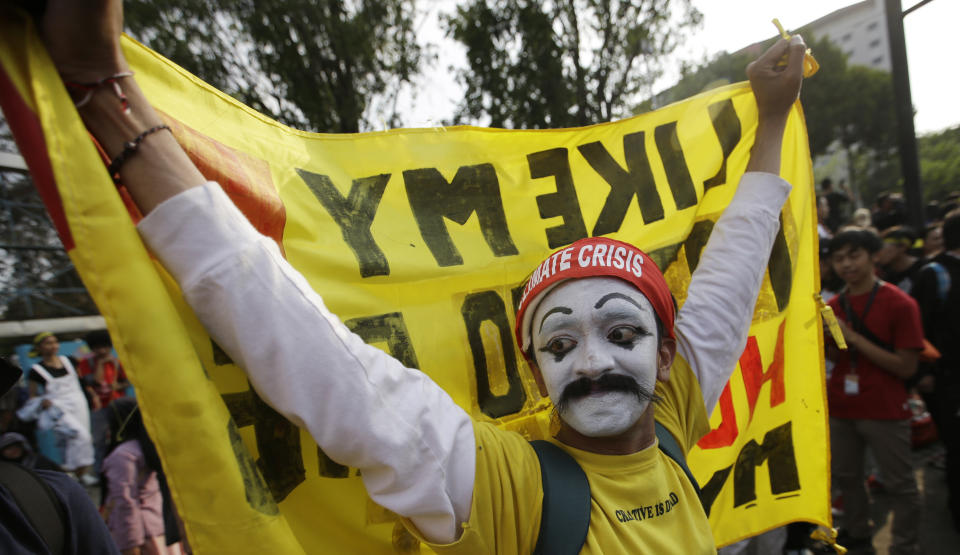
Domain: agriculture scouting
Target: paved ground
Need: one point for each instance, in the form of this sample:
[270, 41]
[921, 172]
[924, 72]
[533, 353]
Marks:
[937, 536]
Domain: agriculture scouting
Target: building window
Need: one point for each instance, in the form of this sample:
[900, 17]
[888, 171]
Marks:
[847, 37]
[874, 43]
[872, 26]
[878, 61]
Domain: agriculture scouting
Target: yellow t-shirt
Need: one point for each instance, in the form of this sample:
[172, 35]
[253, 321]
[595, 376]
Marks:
[640, 503]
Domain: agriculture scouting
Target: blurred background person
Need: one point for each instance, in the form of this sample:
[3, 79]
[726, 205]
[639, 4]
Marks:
[55, 381]
[823, 213]
[42, 511]
[866, 394]
[133, 504]
[891, 210]
[103, 378]
[897, 263]
[862, 218]
[15, 448]
[938, 294]
[932, 240]
[839, 202]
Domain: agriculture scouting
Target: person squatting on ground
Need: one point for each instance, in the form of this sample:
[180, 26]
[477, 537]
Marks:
[866, 393]
[597, 323]
[55, 382]
[133, 505]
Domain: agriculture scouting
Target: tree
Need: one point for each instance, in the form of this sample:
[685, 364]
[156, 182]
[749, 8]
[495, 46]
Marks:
[314, 65]
[565, 62]
[940, 163]
[722, 69]
[37, 279]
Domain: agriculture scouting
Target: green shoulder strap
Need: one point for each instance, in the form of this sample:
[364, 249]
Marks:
[565, 516]
[566, 502]
[670, 447]
[39, 504]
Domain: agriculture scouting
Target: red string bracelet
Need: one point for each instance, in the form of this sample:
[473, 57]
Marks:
[89, 88]
[129, 148]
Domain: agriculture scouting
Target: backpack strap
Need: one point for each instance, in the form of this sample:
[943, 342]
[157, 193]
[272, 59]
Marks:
[943, 280]
[670, 447]
[565, 517]
[39, 504]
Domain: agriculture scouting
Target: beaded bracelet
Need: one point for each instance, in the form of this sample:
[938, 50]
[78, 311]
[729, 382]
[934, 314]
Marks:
[129, 148]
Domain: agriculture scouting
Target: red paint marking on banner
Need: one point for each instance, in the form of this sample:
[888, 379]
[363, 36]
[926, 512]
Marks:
[727, 431]
[751, 368]
[28, 133]
[245, 178]
[754, 377]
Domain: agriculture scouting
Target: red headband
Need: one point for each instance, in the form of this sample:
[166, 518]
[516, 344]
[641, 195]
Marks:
[590, 257]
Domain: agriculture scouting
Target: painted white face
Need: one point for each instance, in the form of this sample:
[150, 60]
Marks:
[585, 328]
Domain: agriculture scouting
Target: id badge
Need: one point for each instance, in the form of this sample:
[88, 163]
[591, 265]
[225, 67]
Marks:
[851, 384]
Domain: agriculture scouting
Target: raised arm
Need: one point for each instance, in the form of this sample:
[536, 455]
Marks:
[713, 323]
[83, 39]
[413, 444]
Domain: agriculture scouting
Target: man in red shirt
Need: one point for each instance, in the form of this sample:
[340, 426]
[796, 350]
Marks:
[866, 392]
[104, 380]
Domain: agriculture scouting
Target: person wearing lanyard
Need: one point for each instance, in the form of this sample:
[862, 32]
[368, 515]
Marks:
[61, 388]
[866, 392]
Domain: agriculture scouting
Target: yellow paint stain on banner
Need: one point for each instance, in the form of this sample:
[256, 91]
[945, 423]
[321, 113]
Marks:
[419, 240]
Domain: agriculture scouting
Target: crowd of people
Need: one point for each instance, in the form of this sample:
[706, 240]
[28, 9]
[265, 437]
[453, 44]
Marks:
[896, 295]
[99, 440]
[892, 289]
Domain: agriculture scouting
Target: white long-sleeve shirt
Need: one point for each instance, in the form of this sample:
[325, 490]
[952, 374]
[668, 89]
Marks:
[412, 443]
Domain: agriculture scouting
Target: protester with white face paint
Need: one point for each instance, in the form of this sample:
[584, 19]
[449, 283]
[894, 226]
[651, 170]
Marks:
[464, 486]
[588, 331]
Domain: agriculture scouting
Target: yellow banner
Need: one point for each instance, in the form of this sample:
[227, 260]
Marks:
[419, 239]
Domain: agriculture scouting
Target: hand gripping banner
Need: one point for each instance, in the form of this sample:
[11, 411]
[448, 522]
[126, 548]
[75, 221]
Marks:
[419, 240]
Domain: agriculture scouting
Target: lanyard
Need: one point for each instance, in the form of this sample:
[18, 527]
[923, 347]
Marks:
[857, 321]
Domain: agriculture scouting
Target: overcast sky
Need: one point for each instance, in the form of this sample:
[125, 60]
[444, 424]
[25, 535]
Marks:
[729, 26]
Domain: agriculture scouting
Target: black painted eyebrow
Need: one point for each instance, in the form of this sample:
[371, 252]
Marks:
[609, 296]
[562, 309]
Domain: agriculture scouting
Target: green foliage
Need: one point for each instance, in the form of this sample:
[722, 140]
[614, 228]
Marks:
[722, 70]
[37, 279]
[310, 64]
[940, 163]
[848, 105]
[852, 104]
[562, 63]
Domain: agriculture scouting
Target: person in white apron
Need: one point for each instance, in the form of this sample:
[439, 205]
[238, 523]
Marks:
[64, 392]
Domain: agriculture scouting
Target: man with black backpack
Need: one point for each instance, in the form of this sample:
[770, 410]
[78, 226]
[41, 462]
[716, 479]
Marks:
[938, 295]
[44, 511]
[867, 395]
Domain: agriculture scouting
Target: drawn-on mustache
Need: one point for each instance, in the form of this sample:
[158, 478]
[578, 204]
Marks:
[606, 382]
